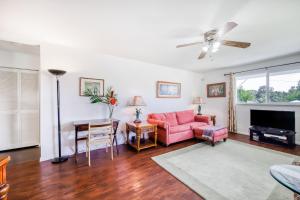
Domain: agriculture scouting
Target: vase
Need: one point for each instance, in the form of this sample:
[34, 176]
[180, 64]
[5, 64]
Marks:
[111, 111]
[110, 115]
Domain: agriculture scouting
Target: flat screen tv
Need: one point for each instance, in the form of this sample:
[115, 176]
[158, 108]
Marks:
[273, 119]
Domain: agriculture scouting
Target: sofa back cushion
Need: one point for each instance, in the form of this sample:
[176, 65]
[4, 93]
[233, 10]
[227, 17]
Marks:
[171, 118]
[158, 116]
[184, 117]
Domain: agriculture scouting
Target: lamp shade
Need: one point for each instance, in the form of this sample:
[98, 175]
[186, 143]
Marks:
[57, 72]
[137, 101]
[198, 100]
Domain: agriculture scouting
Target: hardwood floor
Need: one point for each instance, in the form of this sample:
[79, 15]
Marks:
[130, 175]
[23, 154]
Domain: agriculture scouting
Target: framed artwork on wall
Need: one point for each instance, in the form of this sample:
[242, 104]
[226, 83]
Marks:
[91, 84]
[168, 89]
[216, 90]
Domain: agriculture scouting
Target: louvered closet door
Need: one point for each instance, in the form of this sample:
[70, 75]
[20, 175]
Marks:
[8, 110]
[19, 109]
[29, 109]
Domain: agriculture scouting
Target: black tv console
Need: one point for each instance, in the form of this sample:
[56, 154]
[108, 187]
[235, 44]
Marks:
[273, 135]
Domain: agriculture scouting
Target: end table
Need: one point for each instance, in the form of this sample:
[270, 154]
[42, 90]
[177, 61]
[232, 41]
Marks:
[139, 129]
[213, 118]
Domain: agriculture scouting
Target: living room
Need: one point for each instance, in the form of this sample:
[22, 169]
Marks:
[193, 73]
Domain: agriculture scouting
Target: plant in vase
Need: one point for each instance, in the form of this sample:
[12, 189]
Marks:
[109, 98]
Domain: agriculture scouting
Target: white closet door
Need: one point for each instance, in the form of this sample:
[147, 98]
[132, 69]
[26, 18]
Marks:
[19, 109]
[29, 109]
[8, 109]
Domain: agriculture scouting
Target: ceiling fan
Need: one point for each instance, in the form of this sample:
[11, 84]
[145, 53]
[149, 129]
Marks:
[212, 40]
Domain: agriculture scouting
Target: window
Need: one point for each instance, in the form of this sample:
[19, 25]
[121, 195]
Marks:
[251, 89]
[269, 87]
[284, 87]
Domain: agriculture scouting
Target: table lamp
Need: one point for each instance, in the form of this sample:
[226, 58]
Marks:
[58, 73]
[137, 101]
[198, 101]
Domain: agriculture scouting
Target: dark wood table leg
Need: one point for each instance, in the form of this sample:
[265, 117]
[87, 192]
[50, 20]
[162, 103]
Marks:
[116, 124]
[117, 145]
[76, 143]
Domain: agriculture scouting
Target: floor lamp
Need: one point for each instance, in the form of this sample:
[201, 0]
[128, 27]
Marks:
[58, 74]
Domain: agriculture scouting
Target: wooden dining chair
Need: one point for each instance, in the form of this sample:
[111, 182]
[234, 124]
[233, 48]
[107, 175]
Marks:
[102, 134]
[4, 187]
[4, 191]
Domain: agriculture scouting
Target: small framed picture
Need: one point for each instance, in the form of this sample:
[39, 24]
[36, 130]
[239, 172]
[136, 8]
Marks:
[216, 90]
[168, 89]
[91, 84]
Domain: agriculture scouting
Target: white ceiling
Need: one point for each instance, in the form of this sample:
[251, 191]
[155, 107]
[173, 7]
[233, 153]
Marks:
[149, 30]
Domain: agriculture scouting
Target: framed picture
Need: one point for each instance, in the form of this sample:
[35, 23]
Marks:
[168, 89]
[91, 84]
[216, 90]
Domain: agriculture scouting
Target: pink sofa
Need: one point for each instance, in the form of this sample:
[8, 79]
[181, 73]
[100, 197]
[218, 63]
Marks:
[177, 126]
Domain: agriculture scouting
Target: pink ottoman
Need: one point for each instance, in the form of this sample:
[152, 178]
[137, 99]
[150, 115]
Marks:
[217, 135]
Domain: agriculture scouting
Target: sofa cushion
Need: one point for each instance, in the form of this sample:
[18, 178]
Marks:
[186, 116]
[194, 125]
[159, 116]
[180, 128]
[171, 119]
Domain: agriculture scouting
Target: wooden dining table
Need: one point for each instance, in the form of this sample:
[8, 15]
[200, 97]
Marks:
[82, 125]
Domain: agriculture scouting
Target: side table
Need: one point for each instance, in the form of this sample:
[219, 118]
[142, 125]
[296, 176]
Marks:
[139, 129]
[213, 119]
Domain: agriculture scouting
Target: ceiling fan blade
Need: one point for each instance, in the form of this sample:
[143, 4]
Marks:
[227, 27]
[189, 44]
[236, 44]
[202, 54]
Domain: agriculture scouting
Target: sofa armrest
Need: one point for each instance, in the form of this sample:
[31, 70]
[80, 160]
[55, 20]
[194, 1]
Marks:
[159, 123]
[203, 118]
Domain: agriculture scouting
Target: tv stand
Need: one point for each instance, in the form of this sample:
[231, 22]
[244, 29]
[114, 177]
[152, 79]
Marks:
[273, 135]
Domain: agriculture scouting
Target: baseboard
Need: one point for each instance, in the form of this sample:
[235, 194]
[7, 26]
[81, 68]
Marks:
[120, 137]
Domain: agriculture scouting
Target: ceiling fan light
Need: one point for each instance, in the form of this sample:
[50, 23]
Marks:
[216, 45]
[205, 48]
[214, 50]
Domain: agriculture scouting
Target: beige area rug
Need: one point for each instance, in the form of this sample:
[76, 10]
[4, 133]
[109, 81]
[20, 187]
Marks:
[228, 171]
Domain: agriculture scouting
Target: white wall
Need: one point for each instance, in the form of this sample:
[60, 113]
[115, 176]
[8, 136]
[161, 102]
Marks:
[128, 77]
[219, 107]
[19, 59]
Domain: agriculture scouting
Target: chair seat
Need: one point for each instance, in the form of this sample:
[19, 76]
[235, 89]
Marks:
[100, 134]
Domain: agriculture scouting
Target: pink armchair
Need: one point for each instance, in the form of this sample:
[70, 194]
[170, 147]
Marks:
[177, 126]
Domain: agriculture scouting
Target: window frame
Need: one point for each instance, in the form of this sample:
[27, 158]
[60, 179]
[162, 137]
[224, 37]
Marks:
[267, 74]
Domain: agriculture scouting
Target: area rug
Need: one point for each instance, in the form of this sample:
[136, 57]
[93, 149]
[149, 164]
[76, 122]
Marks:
[231, 170]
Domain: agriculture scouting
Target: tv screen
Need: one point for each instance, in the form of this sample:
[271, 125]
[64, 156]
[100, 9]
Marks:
[273, 119]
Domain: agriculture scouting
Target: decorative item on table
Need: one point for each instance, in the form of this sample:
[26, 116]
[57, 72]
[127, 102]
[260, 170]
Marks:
[58, 73]
[168, 89]
[198, 101]
[109, 98]
[137, 101]
[91, 84]
[216, 90]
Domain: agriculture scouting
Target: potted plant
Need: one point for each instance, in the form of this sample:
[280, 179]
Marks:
[109, 98]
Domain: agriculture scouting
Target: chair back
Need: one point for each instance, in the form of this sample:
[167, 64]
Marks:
[100, 130]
